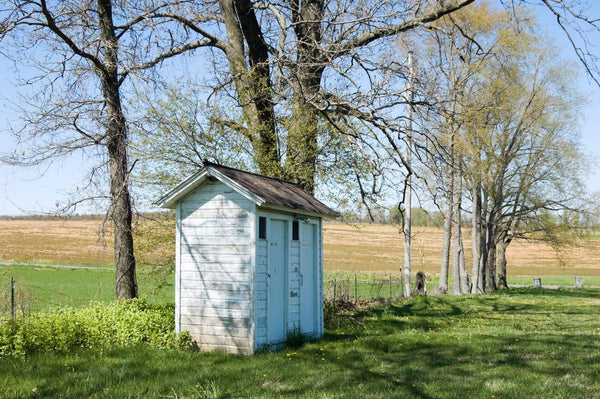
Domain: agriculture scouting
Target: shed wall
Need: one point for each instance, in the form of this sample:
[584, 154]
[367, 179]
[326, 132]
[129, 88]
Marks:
[292, 294]
[215, 268]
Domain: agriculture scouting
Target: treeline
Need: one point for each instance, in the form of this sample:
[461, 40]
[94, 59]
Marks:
[392, 216]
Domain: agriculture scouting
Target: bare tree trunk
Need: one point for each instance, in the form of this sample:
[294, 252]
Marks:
[490, 264]
[457, 249]
[502, 245]
[408, 183]
[464, 276]
[301, 157]
[477, 275]
[443, 285]
[252, 80]
[121, 214]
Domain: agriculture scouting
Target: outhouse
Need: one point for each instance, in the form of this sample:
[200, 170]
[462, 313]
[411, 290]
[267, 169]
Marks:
[249, 259]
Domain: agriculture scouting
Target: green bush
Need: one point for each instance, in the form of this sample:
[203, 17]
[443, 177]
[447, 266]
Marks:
[119, 324]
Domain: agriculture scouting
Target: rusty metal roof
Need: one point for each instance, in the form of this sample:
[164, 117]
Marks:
[264, 191]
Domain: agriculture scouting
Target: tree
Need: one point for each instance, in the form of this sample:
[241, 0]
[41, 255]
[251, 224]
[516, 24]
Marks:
[501, 134]
[455, 50]
[533, 161]
[86, 52]
[293, 65]
[176, 133]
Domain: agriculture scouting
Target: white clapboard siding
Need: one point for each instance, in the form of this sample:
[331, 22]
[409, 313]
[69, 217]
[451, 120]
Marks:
[227, 286]
[260, 293]
[224, 259]
[221, 275]
[220, 313]
[222, 282]
[192, 320]
[223, 340]
[293, 317]
[212, 330]
[194, 225]
[207, 252]
[236, 213]
[207, 242]
[194, 229]
[216, 261]
[216, 267]
[217, 303]
[204, 294]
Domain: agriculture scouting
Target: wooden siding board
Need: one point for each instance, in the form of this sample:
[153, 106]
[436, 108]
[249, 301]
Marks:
[215, 268]
[209, 242]
[223, 259]
[177, 269]
[222, 291]
[226, 322]
[260, 293]
[221, 275]
[204, 294]
[221, 313]
[216, 303]
[212, 330]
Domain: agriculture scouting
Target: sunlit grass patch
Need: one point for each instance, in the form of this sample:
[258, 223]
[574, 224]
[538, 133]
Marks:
[522, 343]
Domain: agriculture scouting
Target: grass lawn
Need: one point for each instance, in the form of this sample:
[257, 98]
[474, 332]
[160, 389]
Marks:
[40, 287]
[517, 344]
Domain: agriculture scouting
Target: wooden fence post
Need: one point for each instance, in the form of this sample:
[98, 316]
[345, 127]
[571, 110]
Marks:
[355, 288]
[12, 297]
[334, 290]
[537, 282]
[578, 282]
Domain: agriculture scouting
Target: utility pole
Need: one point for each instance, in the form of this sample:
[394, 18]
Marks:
[408, 189]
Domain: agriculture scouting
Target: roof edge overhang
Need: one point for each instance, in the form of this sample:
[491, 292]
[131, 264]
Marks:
[171, 198]
[301, 212]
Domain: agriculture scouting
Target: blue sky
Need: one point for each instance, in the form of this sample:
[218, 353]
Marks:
[38, 190]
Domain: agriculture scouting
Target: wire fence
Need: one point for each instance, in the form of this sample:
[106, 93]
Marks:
[19, 298]
[359, 287]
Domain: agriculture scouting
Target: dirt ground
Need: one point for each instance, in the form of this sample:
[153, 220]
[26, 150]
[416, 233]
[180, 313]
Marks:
[361, 248]
[377, 248]
[55, 241]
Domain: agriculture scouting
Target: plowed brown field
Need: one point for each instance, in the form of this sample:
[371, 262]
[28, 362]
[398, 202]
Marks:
[362, 248]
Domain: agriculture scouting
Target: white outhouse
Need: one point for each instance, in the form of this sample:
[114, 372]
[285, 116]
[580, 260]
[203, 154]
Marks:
[249, 259]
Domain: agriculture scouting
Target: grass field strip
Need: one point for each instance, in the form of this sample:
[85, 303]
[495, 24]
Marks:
[55, 266]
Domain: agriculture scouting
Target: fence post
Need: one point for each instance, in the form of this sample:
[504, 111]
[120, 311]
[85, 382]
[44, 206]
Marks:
[390, 286]
[12, 297]
[401, 284]
[334, 290]
[537, 282]
[578, 282]
[355, 288]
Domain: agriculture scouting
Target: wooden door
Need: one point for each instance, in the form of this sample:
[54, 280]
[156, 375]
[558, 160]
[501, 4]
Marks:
[308, 278]
[276, 278]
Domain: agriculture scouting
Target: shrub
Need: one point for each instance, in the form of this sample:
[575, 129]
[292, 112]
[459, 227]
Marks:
[119, 324]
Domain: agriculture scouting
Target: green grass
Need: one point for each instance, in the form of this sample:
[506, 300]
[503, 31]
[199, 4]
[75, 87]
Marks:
[517, 344]
[563, 281]
[37, 287]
